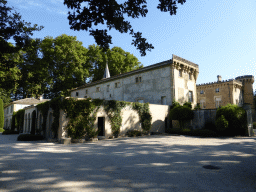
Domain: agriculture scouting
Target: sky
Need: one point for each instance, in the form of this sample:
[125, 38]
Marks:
[219, 35]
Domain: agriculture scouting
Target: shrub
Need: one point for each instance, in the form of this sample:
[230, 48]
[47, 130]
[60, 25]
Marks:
[9, 132]
[29, 137]
[197, 107]
[133, 133]
[188, 104]
[254, 125]
[1, 114]
[182, 114]
[210, 126]
[236, 118]
[196, 132]
[1, 130]
[222, 125]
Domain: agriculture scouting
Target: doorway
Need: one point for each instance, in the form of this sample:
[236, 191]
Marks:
[101, 126]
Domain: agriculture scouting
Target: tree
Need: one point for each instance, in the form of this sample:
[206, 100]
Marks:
[1, 114]
[118, 61]
[5, 96]
[111, 13]
[64, 59]
[12, 27]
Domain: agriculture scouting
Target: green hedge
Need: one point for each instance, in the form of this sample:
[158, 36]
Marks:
[196, 132]
[29, 137]
[133, 133]
[1, 130]
[9, 132]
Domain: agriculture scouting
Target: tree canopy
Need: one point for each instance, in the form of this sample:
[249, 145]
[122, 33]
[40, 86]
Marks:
[12, 28]
[93, 12]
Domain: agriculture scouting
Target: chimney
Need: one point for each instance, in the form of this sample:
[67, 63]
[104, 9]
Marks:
[218, 78]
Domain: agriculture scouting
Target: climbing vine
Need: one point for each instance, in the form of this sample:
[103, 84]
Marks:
[113, 109]
[144, 115]
[44, 108]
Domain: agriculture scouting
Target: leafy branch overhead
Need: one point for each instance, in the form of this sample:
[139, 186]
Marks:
[93, 12]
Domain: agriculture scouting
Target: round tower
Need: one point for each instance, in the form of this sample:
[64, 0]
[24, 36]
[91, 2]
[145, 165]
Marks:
[247, 89]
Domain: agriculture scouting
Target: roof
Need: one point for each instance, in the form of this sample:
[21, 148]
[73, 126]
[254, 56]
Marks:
[157, 65]
[28, 101]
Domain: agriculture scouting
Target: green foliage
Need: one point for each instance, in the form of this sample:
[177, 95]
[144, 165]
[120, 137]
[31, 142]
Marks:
[133, 133]
[222, 125]
[182, 114]
[20, 118]
[44, 108]
[1, 114]
[236, 117]
[33, 126]
[210, 126]
[29, 137]
[9, 132]
[1, 130]
[144, 115]
[113, 109]
[13, 123]
[12, 27]
[254, 125]
[112, 14]
[81, 118]
[65, 59]
[188, 104]
[55, 104]
[196, 132]
[118, 61]
[174, 104]
[197, 107]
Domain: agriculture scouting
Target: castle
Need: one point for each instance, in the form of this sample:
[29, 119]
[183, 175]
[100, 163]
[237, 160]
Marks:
[159, 84]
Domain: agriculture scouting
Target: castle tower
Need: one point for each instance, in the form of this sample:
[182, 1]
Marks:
[247, 89]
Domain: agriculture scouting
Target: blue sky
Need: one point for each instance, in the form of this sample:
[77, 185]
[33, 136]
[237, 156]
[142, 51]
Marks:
[218, 35]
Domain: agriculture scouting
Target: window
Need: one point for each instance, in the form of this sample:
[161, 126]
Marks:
[107, 88]
[190, 76]
[77, 94]
[217, 90]
[97, 89]
[163, 100]
[180, 73]
[190, 96]
[217, 102]
[201, 92]
[86, 91]
[117, 85]
[138, 79]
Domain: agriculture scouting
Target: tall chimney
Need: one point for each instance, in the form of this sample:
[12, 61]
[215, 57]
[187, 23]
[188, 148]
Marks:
[218, 78]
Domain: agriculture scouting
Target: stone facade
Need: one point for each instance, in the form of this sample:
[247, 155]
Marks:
[17, 105]
[234, 91]
[156, 84]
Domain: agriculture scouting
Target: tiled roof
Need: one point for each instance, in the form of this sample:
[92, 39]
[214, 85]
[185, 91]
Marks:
[27, 101]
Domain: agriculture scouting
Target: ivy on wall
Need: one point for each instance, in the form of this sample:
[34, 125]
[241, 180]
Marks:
[44, 108]
[144, 115]
[113, 109]
[20, 118]
[82, 115]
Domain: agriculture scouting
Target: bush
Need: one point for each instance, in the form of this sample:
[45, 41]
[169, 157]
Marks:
[182, 114]
[9, 132]
[29, 137]
[254, 125]
[222, 125]
[1, 130]
[196, 132]
[210, 126]
[236, 118]
[133, 133]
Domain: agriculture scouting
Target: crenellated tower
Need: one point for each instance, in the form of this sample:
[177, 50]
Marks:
[247, 90]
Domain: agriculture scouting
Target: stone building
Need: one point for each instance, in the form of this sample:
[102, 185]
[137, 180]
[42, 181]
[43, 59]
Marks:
[17, 105]
[156, 84]
[234, 91]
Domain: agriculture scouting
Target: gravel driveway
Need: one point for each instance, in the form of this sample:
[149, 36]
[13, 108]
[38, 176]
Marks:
[153, 163]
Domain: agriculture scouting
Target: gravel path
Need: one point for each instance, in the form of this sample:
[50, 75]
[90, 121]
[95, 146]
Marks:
[154, 163]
